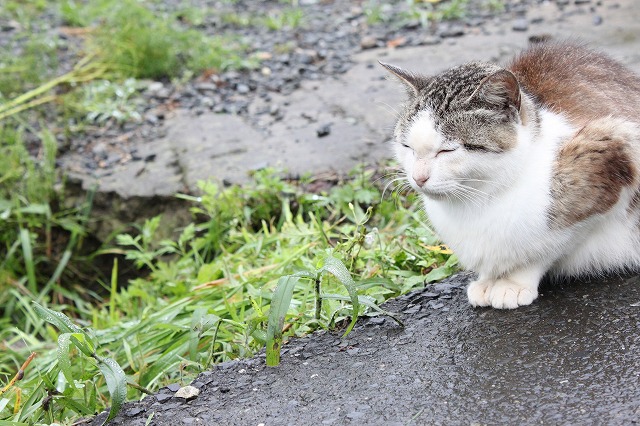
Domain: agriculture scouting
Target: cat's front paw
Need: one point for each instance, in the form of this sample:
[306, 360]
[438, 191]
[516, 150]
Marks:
[478, 292]
[508, 294]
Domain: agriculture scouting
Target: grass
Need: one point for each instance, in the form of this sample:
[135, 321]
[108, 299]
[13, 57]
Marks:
[206, 295]
[256, 265]
[113, 41]
[425, 12]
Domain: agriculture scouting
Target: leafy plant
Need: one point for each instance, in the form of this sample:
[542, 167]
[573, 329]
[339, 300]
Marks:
[113, 374]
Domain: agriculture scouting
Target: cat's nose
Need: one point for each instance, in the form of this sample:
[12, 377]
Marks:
[420, 179]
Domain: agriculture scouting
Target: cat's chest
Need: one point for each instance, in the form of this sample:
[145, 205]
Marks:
[500, 230]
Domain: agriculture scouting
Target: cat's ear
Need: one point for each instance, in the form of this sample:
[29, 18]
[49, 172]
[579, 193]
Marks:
[412, 80]
[500, 89]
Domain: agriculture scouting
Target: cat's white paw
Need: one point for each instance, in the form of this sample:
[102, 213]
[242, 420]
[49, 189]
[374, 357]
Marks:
[508, 294]
[478, 292]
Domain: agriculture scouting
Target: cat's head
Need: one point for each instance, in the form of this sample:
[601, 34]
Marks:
[459, 129]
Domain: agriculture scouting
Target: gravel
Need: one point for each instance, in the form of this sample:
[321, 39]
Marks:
[330, 32]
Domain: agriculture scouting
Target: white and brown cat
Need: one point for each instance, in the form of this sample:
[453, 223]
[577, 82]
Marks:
[529, 168]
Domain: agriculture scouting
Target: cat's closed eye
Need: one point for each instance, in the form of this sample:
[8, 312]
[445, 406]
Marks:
[446, 150]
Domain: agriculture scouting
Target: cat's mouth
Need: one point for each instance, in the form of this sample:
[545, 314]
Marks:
[435, 193]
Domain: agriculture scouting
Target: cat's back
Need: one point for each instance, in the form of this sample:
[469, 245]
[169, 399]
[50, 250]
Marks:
[577, 82]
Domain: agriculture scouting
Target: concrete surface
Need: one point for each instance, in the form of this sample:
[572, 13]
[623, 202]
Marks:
[358, 107]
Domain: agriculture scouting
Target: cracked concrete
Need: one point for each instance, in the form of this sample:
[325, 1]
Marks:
[358, 108]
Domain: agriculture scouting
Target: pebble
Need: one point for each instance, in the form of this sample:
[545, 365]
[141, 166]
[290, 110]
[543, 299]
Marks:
[368, 42]
[187, 392]
[520, 24]
[100, 150]
[597, 20]
[452, 31]
[412, 309]
[376, 321]
[323, 130]
[133, 411]
[173, 387]
[163, 397]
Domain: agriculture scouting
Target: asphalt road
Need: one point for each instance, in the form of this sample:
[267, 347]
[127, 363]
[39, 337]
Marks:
[571, 358]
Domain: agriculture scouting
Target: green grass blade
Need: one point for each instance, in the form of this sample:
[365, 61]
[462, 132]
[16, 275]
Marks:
[57, 319]
[116, 384]
[113, 314]
[337, 268]
[25, 241]
[64, 360]
[278, 310]
[9, 423]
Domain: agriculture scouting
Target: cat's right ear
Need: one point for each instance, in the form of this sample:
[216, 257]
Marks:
[412, 80]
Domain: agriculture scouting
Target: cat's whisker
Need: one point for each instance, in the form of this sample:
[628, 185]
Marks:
[464, 195]
[492, 182]
[475, 196]
[389, 108]
[391, 182]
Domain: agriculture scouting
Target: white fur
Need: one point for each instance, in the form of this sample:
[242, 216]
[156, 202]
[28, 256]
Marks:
[503, 232]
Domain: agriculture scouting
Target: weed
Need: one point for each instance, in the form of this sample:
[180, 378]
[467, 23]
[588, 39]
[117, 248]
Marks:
[375, 12]
[102, 100]
[494, 6]
[428, 12]
[208, 294]
[32, 66]
[290, 18]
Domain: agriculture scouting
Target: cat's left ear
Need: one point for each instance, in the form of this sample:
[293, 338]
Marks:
[500, 89]
[412, 80]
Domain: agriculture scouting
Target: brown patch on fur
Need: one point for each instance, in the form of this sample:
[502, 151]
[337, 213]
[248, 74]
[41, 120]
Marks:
[579, 83]
[591, 170]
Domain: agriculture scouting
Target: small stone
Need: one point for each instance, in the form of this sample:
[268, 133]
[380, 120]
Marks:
[597, 20]
[377, 320]
[520, 25]
[412, 309]
[453, 31]
[163, 397]
[133, 411]
[582, 1]
[10, 26]
[368, 42]
[206, 87]
[154, 87]
[100, 150]
[323, 130]
[207, 102]
[173, 387]
[243, 88]
[187, 392]
[151, 118]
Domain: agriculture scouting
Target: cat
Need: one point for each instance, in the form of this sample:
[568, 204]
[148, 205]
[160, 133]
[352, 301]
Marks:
[527, 169]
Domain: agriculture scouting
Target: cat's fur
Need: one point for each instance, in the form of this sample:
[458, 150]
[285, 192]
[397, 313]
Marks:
[527, 169]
